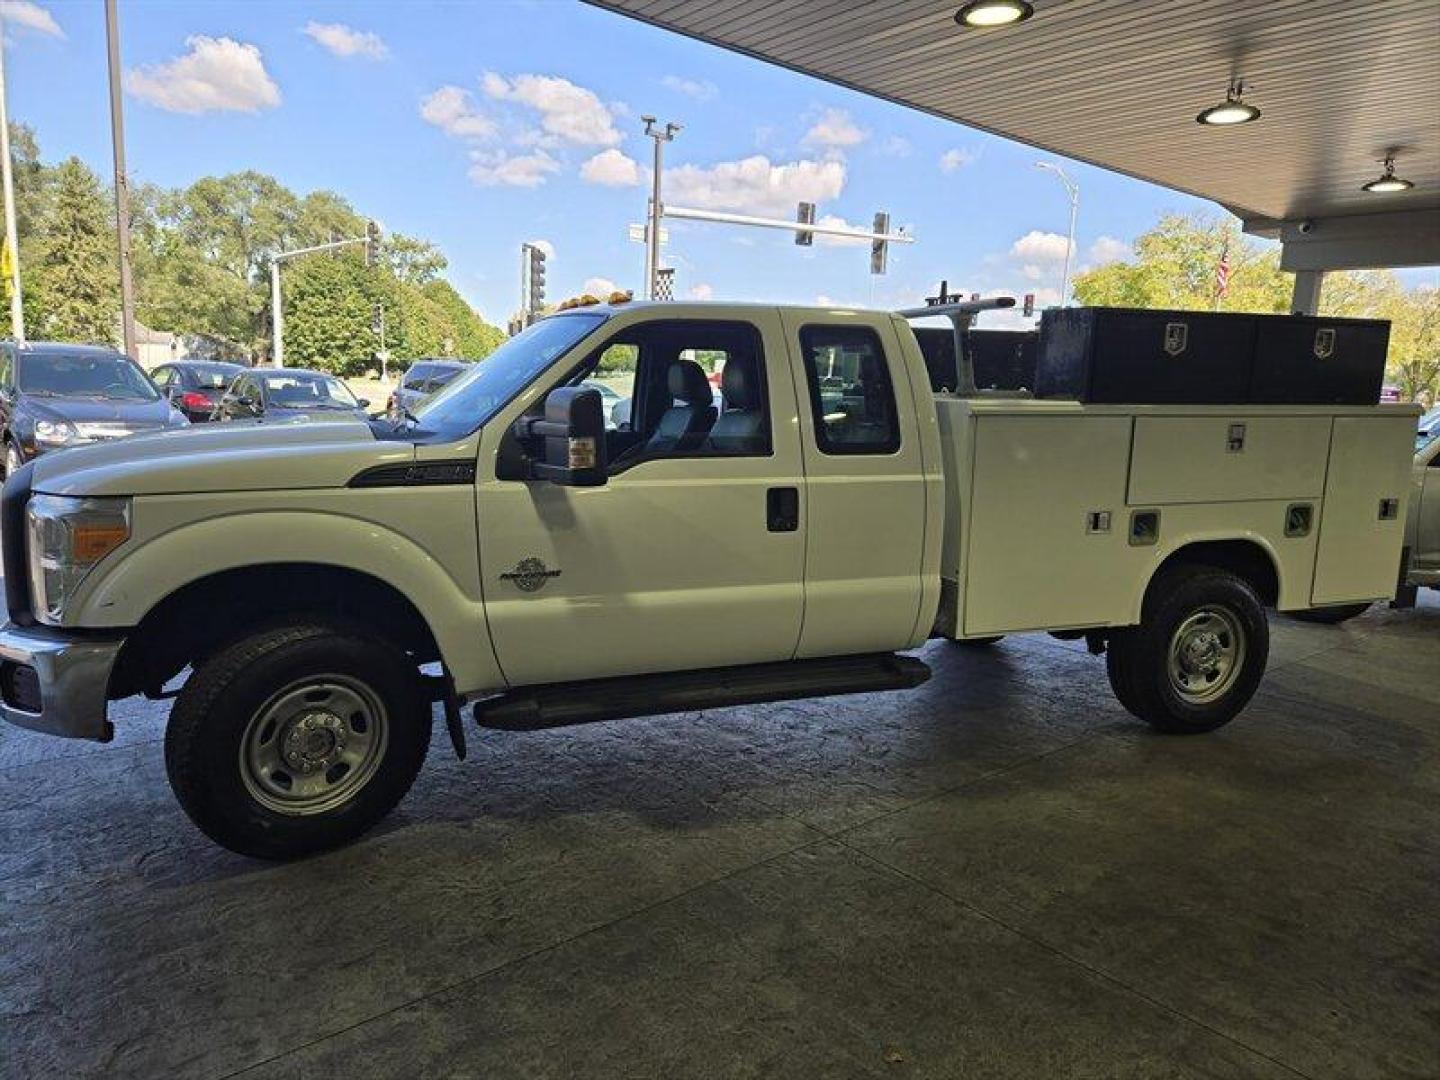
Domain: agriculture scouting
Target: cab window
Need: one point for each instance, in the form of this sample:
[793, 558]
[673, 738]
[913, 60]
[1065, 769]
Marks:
[851, 395]
[681, 388]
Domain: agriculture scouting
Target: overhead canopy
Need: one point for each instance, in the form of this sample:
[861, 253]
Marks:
[1118, 83]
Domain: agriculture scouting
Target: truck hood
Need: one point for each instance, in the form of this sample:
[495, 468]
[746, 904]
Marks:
[221, 457]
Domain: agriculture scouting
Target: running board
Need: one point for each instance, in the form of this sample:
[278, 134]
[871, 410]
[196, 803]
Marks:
[559, 704]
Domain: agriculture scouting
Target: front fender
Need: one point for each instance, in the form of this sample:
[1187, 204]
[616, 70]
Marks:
[119, 593]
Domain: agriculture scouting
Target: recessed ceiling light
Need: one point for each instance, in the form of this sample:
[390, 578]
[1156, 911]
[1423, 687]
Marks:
[982, 13]
[1230, 111]
[1387, 182]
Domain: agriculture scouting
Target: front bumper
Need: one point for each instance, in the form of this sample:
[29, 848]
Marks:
[56, 682]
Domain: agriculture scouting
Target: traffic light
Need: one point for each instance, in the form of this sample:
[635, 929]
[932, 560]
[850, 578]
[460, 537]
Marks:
[372, 243]
[805, 215]
[537, 278]
[878, 248]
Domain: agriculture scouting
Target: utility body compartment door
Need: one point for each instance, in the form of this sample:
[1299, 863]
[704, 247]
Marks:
[1228, 458]
[1362, 525]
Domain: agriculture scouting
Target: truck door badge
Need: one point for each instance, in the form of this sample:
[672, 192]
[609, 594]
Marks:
[1177, 334]
[529, 574]
[1324, 343]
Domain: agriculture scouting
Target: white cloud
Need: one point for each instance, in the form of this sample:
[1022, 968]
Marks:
[545, 246]
[31, 16]
[702, 291]
[500, 169]
[345, 40]
[754, 185]
[700, 90]
[454, 112]
[217, 74]
[599, 286]
[1040, 247]
[835, 221]
[613, 169]
[568, 113]
[1107, 249]
[896, 146]
[835, 130]
[955, 160]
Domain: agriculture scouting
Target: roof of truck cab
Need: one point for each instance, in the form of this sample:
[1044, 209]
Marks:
[692, 308]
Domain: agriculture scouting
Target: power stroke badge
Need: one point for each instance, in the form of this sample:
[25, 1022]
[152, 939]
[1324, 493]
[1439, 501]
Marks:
[529, 574]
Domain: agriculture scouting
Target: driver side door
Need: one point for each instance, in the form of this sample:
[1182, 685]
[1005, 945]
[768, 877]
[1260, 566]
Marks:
[679, 562]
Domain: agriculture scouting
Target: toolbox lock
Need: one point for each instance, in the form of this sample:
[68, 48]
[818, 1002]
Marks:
[1235, 439]
[1298, 519]
[1144, 528]
[1389, 509]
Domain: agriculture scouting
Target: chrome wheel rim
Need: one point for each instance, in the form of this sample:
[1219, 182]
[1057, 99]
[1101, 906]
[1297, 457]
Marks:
[314, 745]
[1207, 652]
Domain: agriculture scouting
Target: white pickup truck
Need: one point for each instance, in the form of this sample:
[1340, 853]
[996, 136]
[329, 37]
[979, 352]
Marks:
[326, 582]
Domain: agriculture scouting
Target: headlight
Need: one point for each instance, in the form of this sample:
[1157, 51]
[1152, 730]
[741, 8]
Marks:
[55, 432]
[68, 536]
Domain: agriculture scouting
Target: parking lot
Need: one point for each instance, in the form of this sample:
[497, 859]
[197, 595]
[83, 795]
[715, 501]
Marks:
[999, 874]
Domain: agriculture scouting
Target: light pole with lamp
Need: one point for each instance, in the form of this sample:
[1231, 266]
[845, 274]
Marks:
[661, 135]
[1074, 191]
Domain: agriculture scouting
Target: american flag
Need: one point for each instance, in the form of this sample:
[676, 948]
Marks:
[1222, 274]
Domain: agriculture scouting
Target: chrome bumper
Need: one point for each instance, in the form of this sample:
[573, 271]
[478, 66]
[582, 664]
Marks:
[72, 672]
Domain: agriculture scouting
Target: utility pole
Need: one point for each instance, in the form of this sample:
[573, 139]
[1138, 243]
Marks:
[17, 304]
[1074, 191]
[371, 240]
[652, 227]
[122, 185]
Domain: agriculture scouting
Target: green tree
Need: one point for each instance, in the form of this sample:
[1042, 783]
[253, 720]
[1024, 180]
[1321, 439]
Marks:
[329, 308]
[77, 296]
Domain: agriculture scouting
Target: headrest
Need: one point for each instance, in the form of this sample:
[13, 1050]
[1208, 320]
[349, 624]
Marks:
[739, 384]
[687, 382]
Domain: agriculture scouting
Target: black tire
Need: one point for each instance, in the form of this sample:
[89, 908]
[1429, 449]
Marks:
[210, 728]
[1331, 616]
[978, 642]
[1191, 608]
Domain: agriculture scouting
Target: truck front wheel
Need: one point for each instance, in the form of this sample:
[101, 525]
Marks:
[1198, 654]
[296, 739]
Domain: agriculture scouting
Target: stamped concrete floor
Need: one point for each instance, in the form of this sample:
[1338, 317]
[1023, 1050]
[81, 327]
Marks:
[999, 874]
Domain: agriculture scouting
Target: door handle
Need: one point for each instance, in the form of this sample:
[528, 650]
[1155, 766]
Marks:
[782, 509]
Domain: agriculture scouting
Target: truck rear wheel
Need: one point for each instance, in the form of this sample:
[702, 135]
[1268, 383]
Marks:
[1198, 654]
[296, 739]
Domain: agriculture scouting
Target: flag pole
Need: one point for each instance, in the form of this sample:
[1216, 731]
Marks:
[12, 246]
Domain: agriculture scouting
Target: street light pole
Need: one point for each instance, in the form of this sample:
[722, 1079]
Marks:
[652, 228]
[277, 316]
[1074, 191]
[17, 304]
[122, 185]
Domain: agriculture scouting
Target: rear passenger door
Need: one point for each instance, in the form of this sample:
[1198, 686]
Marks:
[865, 484]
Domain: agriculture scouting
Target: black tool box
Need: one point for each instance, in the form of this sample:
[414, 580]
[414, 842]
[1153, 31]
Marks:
[1003, 359]
[1126, 355]
[1304, 360]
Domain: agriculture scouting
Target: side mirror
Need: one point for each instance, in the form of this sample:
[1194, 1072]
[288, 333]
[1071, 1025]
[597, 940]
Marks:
[572, 433]
[364, 402]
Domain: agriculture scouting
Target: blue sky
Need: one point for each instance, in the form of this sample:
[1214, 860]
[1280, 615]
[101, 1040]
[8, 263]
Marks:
[479, 126]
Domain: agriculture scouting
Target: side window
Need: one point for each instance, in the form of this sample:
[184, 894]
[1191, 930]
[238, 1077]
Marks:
[162, 377]
[850, 391]
[682, 388]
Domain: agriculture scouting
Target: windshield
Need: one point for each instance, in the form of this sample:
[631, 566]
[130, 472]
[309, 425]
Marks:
[303, 390]
[213, 378]
[83, 375]
[468, 401]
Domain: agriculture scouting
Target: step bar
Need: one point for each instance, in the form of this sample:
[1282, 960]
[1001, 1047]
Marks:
[536, 708]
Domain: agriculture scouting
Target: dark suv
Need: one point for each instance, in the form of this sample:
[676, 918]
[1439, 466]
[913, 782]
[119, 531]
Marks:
[422, 379]
[54, 395]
